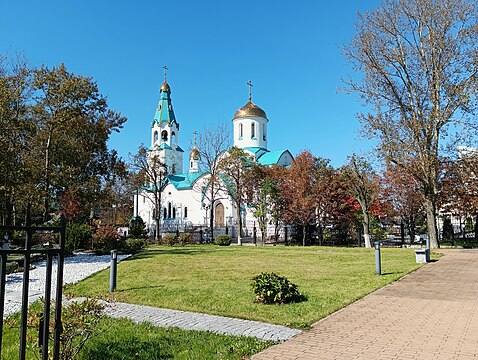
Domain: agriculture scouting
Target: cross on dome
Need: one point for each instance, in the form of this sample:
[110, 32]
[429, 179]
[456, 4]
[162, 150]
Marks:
[165, 68]
[249, 84]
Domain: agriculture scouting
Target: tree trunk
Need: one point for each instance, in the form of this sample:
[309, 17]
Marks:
[304, 233]
[156, 233]
[431, 223]
[239, 224]
[46, 202]
[366, 229]
[476, 228]
[211, 223]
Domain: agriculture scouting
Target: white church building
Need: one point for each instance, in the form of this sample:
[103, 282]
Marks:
[183, 205]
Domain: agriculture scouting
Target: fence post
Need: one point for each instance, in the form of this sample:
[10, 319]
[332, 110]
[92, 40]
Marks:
[378, 265]
[113, 271]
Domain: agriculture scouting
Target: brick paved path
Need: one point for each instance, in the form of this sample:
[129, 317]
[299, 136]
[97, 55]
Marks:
[196, 321]
[430, 314]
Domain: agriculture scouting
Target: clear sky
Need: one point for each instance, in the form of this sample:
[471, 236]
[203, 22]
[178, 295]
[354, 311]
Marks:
[290, 50]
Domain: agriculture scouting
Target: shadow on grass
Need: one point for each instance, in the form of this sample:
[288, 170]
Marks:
[173, 251]
[142, 288]
[129, 347]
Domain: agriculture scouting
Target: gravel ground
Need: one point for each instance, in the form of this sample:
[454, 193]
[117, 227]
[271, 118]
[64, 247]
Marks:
[76, 268]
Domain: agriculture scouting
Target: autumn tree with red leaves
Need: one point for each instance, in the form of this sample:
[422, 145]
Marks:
[299, 192]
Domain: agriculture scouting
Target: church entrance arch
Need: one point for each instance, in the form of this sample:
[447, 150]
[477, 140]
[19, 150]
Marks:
[219, 215]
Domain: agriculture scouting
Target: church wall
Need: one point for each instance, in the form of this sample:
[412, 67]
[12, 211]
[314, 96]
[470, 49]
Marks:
[247, 140]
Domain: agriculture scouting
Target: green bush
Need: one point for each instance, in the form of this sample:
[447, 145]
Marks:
[107, 239]
[79, 323]
[169, 239]
[447, 230]
[222, 240]
[186, 239]
[137, 228]
[271, 288]
[135, 245]
[468, 225]
[11, 267]
[78, 236]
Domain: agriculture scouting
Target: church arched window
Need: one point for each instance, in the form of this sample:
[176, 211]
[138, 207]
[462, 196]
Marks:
[165, 213]
[186, 212]
[155, 137]
[253, 130]
[169, 210]
[241, 131]
[173, 137]
[174, 169]
[174, 213]
[164, 135]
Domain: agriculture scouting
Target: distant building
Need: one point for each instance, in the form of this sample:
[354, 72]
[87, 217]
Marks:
[183, 203]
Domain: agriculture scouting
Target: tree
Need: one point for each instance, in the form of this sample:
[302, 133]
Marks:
[299, 192]
[211, 144]
[17, 130]
[403, 194]
[233, 169]
[276, 201]
[137, 228]
[73, 126]
[418, 61]
[363, 186]
[261, 189]
[459, 186]
[152, 175]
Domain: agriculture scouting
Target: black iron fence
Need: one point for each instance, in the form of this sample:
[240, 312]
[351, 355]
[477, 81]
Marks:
[27, 251]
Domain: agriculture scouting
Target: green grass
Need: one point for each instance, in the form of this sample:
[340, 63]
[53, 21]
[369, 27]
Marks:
[120, 339]
[217, 280]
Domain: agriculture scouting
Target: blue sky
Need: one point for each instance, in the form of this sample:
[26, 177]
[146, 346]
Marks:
[290, 51]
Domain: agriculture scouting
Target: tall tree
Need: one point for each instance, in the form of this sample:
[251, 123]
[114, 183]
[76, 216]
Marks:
[211, 144]
[17, 129]
[363, 186]
[73, 127]
[151, 175]
[299, 192]
[418, 61]
[234, 168]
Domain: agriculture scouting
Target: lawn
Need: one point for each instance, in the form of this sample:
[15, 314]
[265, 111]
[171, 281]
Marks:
[120, 339]
[217, 280]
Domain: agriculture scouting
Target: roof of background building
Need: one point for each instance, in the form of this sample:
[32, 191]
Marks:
[184, 181]
[271, 157]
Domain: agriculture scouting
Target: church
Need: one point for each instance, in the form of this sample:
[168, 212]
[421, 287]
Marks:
[184, 207]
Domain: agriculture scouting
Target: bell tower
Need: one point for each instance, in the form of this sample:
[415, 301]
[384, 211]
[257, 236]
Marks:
[165, 132]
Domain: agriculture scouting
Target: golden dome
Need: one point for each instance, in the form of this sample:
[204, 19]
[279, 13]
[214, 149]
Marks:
[250, 109]
[194, 154]
[165, 87]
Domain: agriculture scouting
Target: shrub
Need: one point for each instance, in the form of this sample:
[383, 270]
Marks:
[169, 239]
[11, 267]
[271, 288]
[135, 245]
[186, 239]
[107, 239]
[222, 240]
[78, 236]
[79, 321]
[137, 228]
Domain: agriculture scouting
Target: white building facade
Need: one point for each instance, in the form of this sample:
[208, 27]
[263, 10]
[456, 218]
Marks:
[184, 207]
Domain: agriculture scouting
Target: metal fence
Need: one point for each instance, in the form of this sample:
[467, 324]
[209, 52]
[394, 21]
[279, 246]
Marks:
[27, 252]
